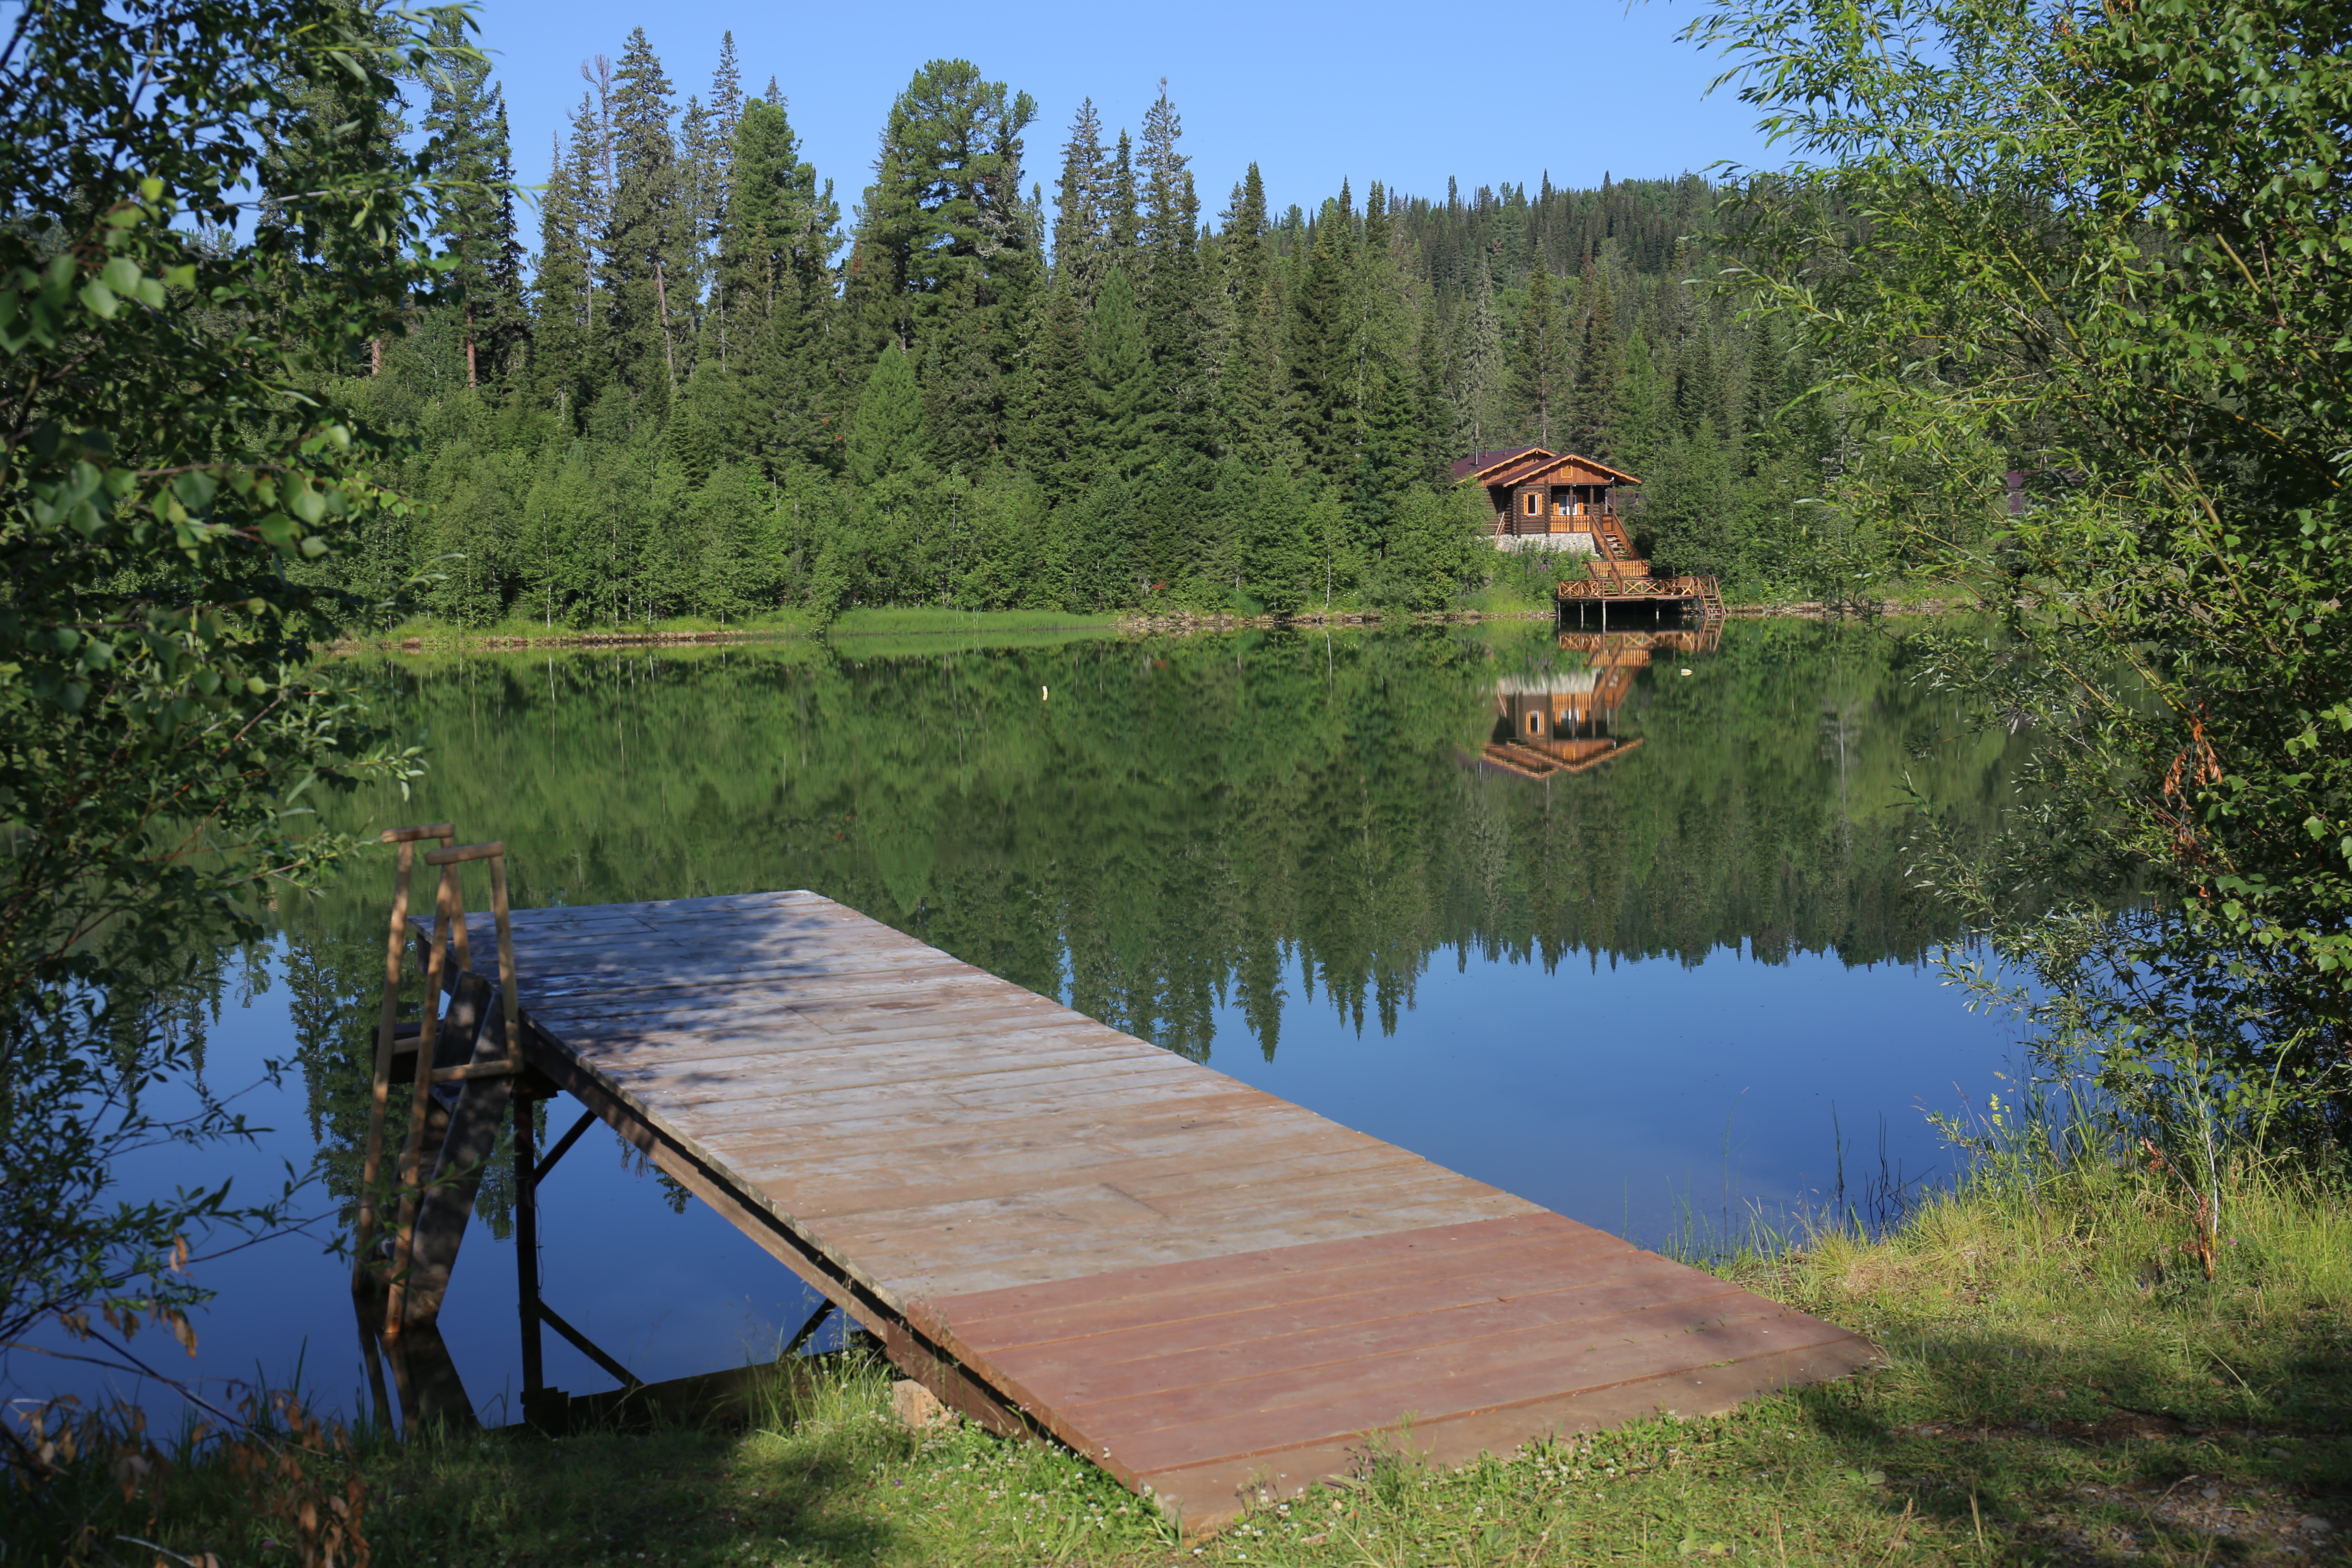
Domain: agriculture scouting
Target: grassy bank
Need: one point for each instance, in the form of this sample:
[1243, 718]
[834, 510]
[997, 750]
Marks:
[425, 632]
[2063, 1385]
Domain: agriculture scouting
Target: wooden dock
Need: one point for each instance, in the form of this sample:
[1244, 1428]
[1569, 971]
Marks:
[1210, 1292]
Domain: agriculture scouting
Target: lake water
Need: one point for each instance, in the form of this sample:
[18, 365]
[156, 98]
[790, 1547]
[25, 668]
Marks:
[1622, 928]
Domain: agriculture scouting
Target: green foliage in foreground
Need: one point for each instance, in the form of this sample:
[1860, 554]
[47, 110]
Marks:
[165, 731]
[2061, 1383]
[2080, 269]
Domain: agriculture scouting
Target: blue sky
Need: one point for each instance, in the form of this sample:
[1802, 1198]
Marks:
[1405, 94]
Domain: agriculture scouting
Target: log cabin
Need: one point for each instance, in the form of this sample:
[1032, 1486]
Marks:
[1544, 500]
[1565, 501]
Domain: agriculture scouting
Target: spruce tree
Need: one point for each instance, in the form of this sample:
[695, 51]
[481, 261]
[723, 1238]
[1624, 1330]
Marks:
[1599, 366]
[775, 252]
[562, 290]
[1081, 253]
[1320, 371]
[1049, 441]
[945, 263]
[1122, 212]
[1479, 390]
[464, 121]
[1179, 414]
[885, 438]
[1249, 389]
[1540, 363]
[644, 236]
[1119, 383]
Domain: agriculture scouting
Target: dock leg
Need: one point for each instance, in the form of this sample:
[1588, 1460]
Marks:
[526, 1166]
[808, 1330]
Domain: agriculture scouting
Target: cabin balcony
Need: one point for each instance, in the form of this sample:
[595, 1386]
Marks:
[1579, 527]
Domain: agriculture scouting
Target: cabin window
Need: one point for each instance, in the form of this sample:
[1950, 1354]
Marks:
[1535, 503]
[1535, 723]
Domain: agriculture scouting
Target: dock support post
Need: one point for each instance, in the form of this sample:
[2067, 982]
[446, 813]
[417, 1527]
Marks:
[526, 1166]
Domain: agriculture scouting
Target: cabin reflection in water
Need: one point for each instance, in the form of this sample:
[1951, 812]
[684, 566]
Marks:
[1566, 722]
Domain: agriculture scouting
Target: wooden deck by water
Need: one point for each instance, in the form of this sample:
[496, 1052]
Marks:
[1208, 1291]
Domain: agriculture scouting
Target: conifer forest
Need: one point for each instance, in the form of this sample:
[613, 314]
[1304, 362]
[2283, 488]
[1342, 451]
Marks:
[713, 382]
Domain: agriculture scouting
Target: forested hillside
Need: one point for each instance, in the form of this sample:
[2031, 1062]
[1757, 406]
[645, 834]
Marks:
[714, 385]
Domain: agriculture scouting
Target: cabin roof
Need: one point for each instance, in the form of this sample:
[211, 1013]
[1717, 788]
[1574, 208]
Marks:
[1480, 462]
[1534, 463]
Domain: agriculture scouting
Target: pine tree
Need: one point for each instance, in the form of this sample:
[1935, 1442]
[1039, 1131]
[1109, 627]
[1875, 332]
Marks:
[1321, 374]
[1049, 439]
[885, 438]
[1478, 393]
[945, 263]
[1599, 366]
[563, 297]
[1081, 254]
[1540, 363]
[643, 235]
[1122, 215]
[1119, 383]
[1249, 387]
[465, 118]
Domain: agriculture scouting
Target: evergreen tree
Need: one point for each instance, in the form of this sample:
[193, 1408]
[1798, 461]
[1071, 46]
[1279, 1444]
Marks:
[1321, 372]
[1478, 390]
[775, 249]
[562, 291]
[945, 264]
[1539, 364]
[1600, 364]
[1180, 410]
[464, 121]
[1119, 383]
[1050, 440]
[644, 234]
[1122, 215]
[1081, 247]
[1249, 379]
[1698, 391]
[885, 438]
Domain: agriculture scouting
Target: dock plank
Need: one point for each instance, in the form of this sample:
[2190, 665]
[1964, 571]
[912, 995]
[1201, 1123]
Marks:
[1208, 1290]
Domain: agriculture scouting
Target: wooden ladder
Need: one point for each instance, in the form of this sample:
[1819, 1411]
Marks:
[468, 1045]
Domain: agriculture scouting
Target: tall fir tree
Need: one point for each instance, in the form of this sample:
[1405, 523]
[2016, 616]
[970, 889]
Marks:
[945, 263]
[1119, 383]
[643, 233]
[887, 438]
[1081, 231]
[1249, 371]
[465, 120]
[1479, 382]
[1540, 364]
[564, 291]
[1122, 209]
[1321, 377]
[1600, 362]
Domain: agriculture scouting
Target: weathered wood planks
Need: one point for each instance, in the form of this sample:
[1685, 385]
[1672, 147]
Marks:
[1210, 1292]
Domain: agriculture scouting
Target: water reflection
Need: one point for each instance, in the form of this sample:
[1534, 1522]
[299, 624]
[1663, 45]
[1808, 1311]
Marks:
[1565, 722]
[1263, 851]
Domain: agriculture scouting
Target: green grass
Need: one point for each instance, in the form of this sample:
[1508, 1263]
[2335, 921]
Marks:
[425, 629]
[2061, 1386]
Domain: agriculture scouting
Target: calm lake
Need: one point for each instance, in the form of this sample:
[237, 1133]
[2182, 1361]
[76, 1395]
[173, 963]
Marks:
[1621, 926]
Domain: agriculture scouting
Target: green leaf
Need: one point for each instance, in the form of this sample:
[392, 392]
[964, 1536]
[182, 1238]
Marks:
[99, 299]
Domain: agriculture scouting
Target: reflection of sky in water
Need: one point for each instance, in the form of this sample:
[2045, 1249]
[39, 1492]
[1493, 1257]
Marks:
[1608, 1095]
